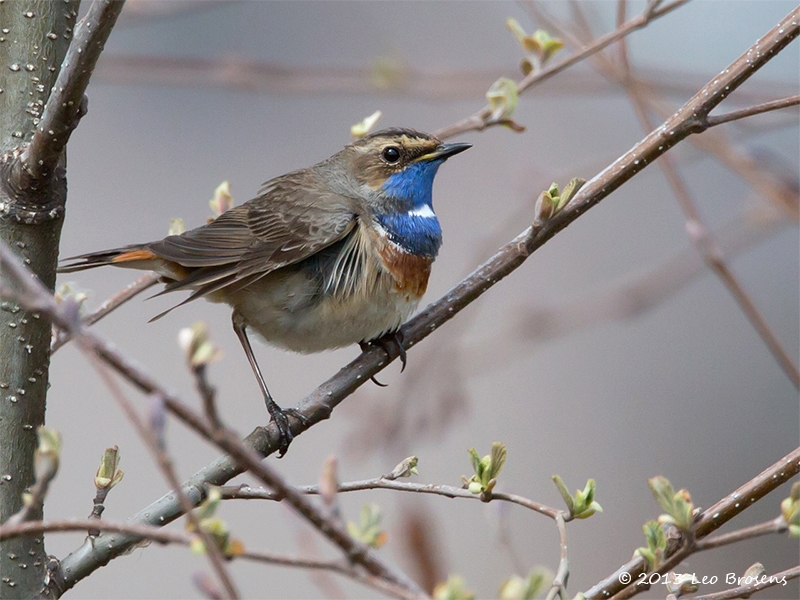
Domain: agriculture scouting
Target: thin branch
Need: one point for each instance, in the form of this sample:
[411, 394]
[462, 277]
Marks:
[337, 567]
[482, 119]
[164, 463]
[709, 521]
[713, 121]
[629, 296]
[141, 532]
[336, 533]
[165, 536]
[776, 525]
[46, 468]
[246, 492]
[127, 293]
[764, 582]
[559, 585]
[708, 247]
[66, 104]
[240, 73]
[207, 393]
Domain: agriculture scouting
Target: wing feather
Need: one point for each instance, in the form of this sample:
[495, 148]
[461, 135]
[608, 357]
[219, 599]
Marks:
[294, 217]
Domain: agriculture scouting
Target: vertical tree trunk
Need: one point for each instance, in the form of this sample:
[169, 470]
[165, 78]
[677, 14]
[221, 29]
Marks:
[34, 35]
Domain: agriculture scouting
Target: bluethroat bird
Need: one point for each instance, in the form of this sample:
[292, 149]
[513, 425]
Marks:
[324, 257]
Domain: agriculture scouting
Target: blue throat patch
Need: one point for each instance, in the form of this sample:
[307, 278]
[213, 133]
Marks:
[415, 233]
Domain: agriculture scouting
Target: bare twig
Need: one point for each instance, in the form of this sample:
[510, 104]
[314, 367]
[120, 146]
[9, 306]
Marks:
[164, 462]
[66, 104]
[246, 492]
[559, 585]
[482, 119]
[354, 550]
[764, 582]
[341, 568]
[46, 467]
[141, 532]
[709, 248]
[776, 525]
[165, 536]
[129, 292]
[208, 395]
[753, 110]
[631, 295]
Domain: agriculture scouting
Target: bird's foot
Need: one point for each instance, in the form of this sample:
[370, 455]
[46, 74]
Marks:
[387, 342]
[280, 416]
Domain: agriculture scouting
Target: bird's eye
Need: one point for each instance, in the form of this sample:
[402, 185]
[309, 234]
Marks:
[391, 154]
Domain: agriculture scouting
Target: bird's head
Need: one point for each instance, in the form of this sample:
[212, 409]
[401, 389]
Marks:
[392, 171]
[397, 166]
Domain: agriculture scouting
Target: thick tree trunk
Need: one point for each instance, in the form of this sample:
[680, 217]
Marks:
[34, 35]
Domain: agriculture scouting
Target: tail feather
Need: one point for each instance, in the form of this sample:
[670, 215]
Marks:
[117, 256]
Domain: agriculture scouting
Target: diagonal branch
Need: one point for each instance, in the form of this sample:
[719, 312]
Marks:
[165, 463]
[66, 104]
[705, 242]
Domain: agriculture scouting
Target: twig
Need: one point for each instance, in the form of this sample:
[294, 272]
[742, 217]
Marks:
[709, 521]
[164, 462]
[559, 585]
[765, 581]
[482, 119]
[634, 294]
[130, 291]
[146, 532]
[776, 525]
[708, 247]
[354, 550]
[207, 393]
[337, 567]
[66, 104]
[246, 492]
[713, 121]
[46, 467]
[164, 536]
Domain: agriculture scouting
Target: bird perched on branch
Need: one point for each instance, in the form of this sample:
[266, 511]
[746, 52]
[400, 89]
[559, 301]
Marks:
[324, 257]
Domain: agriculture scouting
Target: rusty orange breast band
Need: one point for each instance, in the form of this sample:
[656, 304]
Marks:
[411, 272]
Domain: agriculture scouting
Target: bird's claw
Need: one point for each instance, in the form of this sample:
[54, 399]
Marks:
[395, 339]
[279, 415]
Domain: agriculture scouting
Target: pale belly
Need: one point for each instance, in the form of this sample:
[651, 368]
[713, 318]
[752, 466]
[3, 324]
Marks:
[283, 309]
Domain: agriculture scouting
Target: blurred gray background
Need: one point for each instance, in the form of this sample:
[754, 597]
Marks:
[685, 388]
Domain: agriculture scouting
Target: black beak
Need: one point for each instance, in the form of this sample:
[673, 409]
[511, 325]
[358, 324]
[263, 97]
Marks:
[444, 151]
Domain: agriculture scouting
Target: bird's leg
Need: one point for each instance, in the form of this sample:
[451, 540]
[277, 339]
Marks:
[277, 413]
[394, 338]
